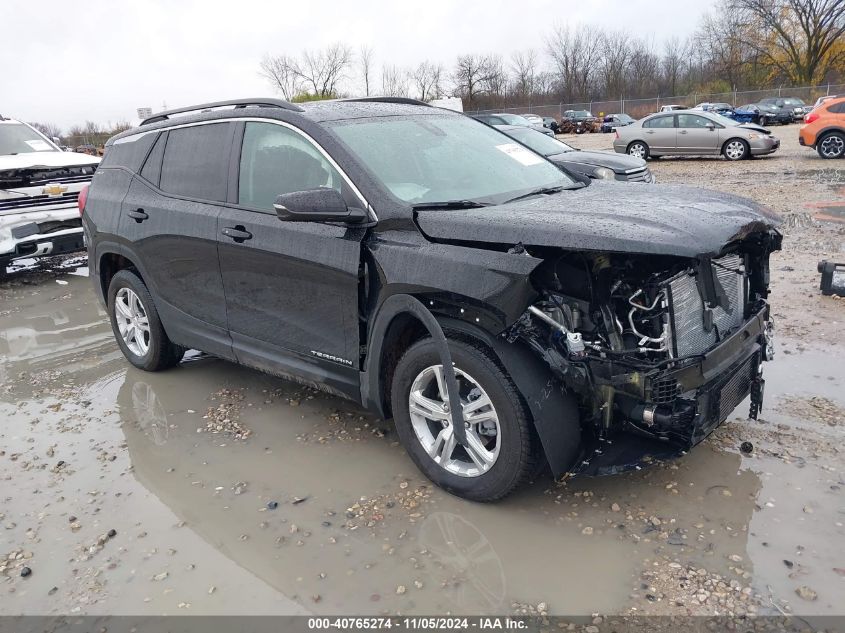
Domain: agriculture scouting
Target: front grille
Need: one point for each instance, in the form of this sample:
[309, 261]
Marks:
[34, 202]
[737, 387]
[640, 175]
[689, 335]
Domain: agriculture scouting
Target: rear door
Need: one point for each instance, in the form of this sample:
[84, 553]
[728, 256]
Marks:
[291, 287]
[659, 133]
[697, 135]
[170, 223]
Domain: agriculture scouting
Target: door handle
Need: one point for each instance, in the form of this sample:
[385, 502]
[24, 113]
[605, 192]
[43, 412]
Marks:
[682, 131]
[139, 215]
[649, 131]
[237, 233]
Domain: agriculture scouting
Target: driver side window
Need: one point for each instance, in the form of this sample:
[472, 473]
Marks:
[661, 122]
[277, 160]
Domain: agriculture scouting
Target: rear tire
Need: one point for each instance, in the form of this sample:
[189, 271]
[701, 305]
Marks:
[638, 149]
[736, 149]
[514, 446]
[136, 325]
[831, 145]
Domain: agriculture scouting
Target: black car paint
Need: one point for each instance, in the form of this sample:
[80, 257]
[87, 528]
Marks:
[665, 220]
[465, 267]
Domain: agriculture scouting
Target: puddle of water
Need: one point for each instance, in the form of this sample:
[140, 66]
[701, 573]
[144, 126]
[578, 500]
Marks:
[448, 554]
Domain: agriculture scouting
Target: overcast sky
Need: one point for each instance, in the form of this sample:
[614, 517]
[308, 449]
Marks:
[65, 62]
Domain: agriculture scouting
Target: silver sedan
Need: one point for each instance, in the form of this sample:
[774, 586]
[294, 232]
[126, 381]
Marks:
[686, 132]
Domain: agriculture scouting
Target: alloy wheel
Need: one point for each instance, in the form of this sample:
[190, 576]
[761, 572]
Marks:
[431, 420]
[132, 321]
[833, 146]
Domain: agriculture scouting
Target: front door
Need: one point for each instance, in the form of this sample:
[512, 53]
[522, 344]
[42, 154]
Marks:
[291, 287]
[697, 135]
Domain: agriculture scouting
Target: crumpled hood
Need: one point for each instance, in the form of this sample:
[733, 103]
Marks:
[619, 163]
[655, 220]
[45, 159]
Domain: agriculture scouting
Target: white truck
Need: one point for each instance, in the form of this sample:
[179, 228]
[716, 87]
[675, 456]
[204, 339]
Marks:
[39, 187]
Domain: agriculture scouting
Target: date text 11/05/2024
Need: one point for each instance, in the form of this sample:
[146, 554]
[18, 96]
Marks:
[419, 623]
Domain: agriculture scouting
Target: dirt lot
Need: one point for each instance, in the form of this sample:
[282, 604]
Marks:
[216, 489]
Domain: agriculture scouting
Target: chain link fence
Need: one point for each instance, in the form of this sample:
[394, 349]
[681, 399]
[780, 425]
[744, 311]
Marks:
[639, 108]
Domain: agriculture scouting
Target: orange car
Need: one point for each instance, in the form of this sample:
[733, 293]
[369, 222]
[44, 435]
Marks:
[824, 129]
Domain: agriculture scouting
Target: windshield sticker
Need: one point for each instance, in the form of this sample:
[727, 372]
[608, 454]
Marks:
[39, 146]
[520, 154]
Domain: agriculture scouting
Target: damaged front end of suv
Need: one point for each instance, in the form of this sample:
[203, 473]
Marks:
[659, 347]
[660, 335]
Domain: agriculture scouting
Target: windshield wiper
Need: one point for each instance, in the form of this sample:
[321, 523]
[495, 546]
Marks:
[449, 204]
[537, 192]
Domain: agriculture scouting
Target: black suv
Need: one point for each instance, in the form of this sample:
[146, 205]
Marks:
[506, 316]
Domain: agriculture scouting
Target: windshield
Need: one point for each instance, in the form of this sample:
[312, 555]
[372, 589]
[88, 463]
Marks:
[17, 138]
[722, 120]
[624, 118]
[539, 142]
[438, 158]
[513, 119]
[581, 114]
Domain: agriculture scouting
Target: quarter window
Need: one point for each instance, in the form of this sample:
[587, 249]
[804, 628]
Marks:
[152, 168]
[661, 122]
[277, 160]
[196, 161]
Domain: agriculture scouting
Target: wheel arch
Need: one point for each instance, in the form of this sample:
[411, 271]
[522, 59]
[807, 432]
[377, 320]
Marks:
[554, 412]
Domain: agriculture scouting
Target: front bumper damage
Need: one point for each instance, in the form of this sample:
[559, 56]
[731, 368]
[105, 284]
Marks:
[659, 414]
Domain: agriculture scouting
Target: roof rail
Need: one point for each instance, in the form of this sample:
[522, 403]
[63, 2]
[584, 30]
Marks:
[406, 100]
[237, 103]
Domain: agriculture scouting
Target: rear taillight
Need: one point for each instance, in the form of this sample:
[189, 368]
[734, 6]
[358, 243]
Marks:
[82, 199]
[813, 116]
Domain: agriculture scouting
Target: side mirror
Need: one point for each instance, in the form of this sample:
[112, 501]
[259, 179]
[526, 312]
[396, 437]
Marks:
[711, 126]
[56, 140]
[316, 205]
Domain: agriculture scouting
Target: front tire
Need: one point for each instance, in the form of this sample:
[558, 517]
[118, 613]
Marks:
[638, 149]
[136, 324]
[736, 149]
[503, 449]
[831, 145]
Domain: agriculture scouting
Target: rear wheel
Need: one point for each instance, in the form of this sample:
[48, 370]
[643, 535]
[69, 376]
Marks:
[831, 145]
[136, 324]
[638, 149]
[736, 149]
[502, 449]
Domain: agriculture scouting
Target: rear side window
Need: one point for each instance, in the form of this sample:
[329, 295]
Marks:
[128, 152]
[661, 122]
[152, 167]
[837, 108]
[196, 161]
[277, 160]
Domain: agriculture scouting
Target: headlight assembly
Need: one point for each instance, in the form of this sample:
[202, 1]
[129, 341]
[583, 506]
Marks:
[604, 173]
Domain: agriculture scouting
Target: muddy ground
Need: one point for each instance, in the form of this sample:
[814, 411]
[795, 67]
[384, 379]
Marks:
[215, 489]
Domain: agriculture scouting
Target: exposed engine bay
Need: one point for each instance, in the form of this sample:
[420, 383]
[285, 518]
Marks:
[663, 346]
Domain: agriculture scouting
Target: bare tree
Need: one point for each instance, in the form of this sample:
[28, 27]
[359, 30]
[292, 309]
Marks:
[473, 75]
[524, 66]
[644, 68]
[365, 63]
[615, 56]
[50, 130]
[282, 72]
[675, 55]
[494, 80]
[427, 78]
[574, 53]
[806, 36]
[321, 71]
[394, 81]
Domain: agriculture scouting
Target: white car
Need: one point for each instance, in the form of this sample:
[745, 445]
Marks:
[533, 118]
[39, 187]
[672, 108]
